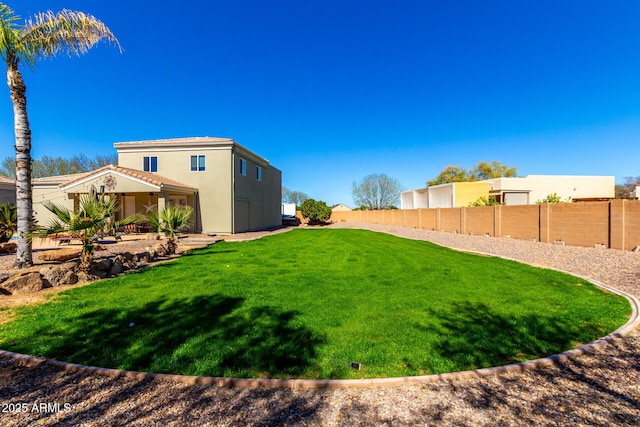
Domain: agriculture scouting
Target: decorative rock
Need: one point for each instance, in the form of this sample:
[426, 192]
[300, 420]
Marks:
[144, 257]
[31, 282]
[102, 265]
[152, 252]
[60, 274]
[84, 276]
[116, 267]
[127, 259]
[128, 256]
[159, 249]
[8, 248]
[99, 274]
[69, 278]
[59, 255]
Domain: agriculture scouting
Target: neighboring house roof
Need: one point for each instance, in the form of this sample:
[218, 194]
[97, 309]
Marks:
[7, 184]
[56, 180]
[147, 177]
[340, 207]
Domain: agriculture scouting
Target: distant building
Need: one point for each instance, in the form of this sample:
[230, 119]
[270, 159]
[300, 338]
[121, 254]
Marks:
[511, 191]
[7, 190]
[340, 208]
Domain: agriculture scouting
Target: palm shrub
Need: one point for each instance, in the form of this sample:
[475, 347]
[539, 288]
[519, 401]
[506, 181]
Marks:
[94, 215]
[170, 221]
[8, 221]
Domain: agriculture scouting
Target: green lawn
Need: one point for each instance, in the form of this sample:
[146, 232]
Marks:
[306, 303]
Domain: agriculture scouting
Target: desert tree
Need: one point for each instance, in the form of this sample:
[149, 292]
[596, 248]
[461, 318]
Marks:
[481, 171]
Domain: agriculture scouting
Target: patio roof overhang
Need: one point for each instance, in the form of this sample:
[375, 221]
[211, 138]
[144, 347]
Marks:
[116, 179]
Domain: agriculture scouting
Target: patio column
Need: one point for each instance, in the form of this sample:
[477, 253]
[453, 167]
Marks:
[163, 199]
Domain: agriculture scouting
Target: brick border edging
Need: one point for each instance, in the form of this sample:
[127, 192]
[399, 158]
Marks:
[630, 325]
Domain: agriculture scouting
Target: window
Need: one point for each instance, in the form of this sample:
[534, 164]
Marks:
[150, 164]
[197, 163]
[243, 167]
[258, 173]
[178, 200]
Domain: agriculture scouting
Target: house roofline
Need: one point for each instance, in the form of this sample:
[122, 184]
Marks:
[173, 144]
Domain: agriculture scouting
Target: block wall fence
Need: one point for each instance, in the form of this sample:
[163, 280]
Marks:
[614, 224]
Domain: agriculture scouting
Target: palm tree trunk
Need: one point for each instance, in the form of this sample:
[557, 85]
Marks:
[24, 201]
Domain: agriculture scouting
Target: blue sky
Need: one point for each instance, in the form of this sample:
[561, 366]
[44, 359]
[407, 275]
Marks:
[331, 91]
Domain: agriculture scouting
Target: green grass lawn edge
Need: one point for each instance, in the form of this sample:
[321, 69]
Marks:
[307, 303]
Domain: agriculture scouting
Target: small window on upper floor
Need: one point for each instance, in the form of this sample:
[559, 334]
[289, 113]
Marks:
[150, 164]
[197, 163]
[258, 173]
[243, 167]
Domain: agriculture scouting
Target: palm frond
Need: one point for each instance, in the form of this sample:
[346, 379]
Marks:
[12, 46]
[66, 31]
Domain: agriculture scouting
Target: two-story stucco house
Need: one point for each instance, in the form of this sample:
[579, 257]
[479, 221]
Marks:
[230, 188]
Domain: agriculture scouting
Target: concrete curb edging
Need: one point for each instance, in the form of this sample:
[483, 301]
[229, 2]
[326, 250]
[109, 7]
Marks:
[632, 323]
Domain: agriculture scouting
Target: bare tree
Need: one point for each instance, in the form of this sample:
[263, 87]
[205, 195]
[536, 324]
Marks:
[297, 197]
[377, 191]
[623, 191]
[52, 166]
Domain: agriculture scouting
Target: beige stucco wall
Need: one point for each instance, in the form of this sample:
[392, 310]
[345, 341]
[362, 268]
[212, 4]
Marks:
[453, 194]
[7, 191]
[123, 184]
[414, 199]
[42, 195]
[441, 196]
[255, 206]
[221, 208]
[566, 186]
[213, 202]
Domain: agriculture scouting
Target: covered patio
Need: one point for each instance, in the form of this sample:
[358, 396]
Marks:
[137, 192]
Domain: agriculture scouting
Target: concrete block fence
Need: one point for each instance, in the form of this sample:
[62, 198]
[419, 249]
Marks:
[614, 224]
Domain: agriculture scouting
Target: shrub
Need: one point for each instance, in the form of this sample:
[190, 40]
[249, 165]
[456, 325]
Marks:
[8, 221]
[554, 198]
[316, 211]
[486, 201]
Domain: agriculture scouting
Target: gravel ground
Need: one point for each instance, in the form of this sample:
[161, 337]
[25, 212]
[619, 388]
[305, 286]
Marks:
[601, 388]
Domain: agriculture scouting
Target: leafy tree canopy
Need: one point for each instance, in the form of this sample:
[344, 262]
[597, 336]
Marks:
[480, 172]
[318, 212]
